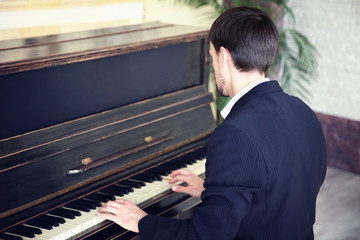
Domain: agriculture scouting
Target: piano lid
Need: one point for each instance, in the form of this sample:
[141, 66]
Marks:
[54, 50]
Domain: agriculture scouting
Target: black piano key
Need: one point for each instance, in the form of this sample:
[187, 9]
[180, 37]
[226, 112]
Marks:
[144, 174]
[96, 198]
[175, 165]
[5, 236]
[124, 188]
[65, 213]
[170, 165]
[78, 207]
[158, 177]
[53, 220]
[102, 197]
[24, 231]
[194, 156]
[181, 163]
[88, 202]
[47, 220]
[112, 191]
[107, 195]
[84, 202]
[58, 219]
[142, 178]
[186, 160]
[96, 203]
[35, 230]
[39, 223]
[159, 171]
[156, 171]
[153, 176]
[168, 169]
[135, 184]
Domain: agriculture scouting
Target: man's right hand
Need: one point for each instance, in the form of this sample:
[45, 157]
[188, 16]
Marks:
[195, 184]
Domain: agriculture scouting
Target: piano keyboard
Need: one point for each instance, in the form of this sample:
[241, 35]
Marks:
[79, 216]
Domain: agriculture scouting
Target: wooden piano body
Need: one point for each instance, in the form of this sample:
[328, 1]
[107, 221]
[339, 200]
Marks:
[83, 114]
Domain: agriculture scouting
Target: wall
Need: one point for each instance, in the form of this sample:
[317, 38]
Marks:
[334, 27]
[171, 12]
[22, 19]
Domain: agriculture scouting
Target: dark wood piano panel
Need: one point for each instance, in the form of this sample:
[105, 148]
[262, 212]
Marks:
[83, 111]
[60, 93]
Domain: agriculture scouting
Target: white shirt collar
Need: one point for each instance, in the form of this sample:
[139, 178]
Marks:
[226, 110]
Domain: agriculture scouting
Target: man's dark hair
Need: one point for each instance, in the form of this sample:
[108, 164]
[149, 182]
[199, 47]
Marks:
[250, 36]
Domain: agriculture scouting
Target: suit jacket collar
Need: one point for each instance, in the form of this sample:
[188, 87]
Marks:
[261, 89]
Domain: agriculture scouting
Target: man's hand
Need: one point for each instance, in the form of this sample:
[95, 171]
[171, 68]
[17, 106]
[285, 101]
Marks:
[123, 212]
[195, 184]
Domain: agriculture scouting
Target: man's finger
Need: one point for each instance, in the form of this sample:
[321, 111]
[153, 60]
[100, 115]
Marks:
[116, 207]
[121, 200]
[130, 205]
[180, 171]
[109, 209]
[184, 178]
[182, 189]
[112, 203]
[107, 216]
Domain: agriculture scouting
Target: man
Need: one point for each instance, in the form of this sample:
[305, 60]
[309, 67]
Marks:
[265, 162]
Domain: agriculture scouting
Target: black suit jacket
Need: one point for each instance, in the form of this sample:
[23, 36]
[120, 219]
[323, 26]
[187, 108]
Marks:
[265, 165]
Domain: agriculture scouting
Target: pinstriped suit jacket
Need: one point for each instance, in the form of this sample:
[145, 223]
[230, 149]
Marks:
[265, 165]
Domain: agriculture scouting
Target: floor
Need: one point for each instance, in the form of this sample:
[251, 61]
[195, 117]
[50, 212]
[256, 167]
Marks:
[338, 207]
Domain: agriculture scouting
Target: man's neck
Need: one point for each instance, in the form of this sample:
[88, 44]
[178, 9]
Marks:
[226, 110]
[240, 80]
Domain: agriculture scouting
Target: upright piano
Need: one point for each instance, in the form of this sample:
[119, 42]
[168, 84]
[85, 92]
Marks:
[91, 116]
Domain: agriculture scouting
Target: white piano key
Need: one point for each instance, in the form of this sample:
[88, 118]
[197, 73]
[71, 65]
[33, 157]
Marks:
[87, 220]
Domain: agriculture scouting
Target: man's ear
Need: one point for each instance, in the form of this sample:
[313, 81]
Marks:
[225, 56]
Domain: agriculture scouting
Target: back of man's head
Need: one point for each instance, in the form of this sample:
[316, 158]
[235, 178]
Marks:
[250, 36]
